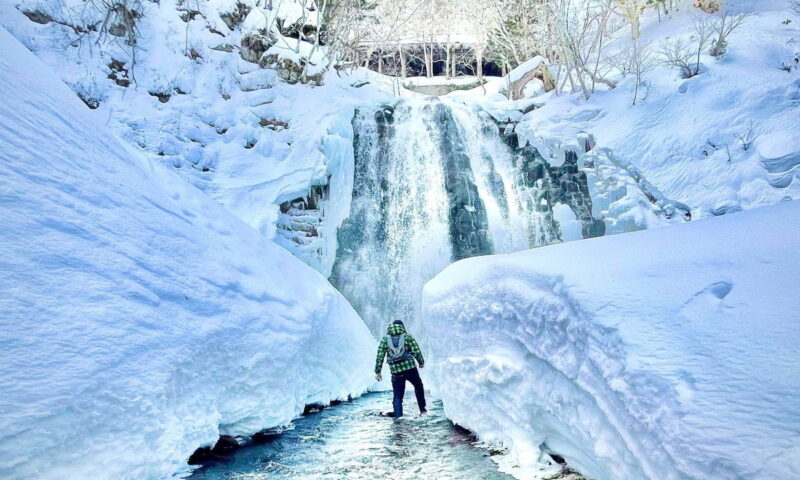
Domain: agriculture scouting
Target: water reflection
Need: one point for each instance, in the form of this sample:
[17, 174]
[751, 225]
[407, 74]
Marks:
[352, 441]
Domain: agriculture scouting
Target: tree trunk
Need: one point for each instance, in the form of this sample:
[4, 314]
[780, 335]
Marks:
[402, 61]
[635, 24]
[369, 56]
[479, 64]
[426, 57]
[429, 67]
[447, 60]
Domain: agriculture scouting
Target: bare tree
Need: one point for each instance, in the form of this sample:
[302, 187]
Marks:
[632, 10]
[725, 24]
[683, 53]
[579, 36]
[345, 30]
[678, 53]
[748, 137]
[637, 60]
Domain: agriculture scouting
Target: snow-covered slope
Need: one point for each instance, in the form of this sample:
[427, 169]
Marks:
[664, 354]
[140, 319]
[682, 135]
[191, 96]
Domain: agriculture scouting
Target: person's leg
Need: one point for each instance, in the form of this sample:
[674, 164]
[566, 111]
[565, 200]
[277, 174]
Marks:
[399, 389]
[419, 389]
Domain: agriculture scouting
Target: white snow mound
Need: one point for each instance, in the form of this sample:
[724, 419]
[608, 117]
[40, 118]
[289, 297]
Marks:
[140, 319]
[663, 354]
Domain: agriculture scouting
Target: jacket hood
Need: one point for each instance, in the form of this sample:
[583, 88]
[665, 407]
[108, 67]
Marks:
[395, 329]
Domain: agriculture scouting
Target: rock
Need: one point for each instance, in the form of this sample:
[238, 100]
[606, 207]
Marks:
[118, 30]
[90, 102]
[469, 223]
[313, 408]
[223, 47]
[119, 74]
[162, 97]
[289, 70]
[224, 446]
[235, 17]
[587, 141]
[273, 124]
[286, 68]
[38, 17]
[254, 45]
[708, 6]
[189, 15]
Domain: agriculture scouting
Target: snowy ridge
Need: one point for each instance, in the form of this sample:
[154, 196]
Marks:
[660, 354]
[141, 319]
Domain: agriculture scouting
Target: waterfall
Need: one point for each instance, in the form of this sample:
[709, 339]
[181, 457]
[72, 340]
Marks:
[434, 183]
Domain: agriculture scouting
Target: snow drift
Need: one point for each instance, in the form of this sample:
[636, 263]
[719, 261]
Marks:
[664, 354]
[140, 319]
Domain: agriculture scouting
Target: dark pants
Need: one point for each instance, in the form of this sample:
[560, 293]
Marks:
[399, 387]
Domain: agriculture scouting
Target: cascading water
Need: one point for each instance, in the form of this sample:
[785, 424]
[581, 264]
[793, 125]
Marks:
[434, 183]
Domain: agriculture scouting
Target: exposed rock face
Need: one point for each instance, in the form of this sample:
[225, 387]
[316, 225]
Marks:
[254, 45]
[236, 16]
[299, 222]
[435, 183]
[119, 73]
[469, 226]
[38, 16]
[548, 186]
[288, 70]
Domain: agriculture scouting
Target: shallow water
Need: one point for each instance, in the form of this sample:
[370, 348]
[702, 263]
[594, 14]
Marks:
[351, 441]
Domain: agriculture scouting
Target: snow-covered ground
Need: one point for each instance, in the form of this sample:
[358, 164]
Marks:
[663, 354]
[237, 131]
[140, 319]
[682, 133]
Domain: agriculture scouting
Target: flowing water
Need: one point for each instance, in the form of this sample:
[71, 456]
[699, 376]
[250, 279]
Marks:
[351, 441]
[434, 183]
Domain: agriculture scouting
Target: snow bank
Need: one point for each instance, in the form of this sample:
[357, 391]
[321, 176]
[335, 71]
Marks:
[140, 319]
[663, 354]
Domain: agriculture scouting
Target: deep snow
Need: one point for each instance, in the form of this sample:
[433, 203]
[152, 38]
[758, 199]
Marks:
[231, 128]
[661, 354]
[140, 318]
[681, 135]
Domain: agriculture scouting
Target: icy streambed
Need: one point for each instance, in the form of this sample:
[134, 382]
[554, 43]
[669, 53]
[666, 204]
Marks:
[350, 441]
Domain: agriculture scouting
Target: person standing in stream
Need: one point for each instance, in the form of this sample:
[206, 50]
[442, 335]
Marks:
[401, 351]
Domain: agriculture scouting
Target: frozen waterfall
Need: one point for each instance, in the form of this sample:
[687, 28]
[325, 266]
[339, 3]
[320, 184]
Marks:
[436, 182]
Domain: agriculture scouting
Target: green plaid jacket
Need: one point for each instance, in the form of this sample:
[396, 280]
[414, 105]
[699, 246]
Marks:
[411, 346]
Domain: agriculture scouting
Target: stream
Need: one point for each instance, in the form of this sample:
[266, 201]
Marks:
[351, 441]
